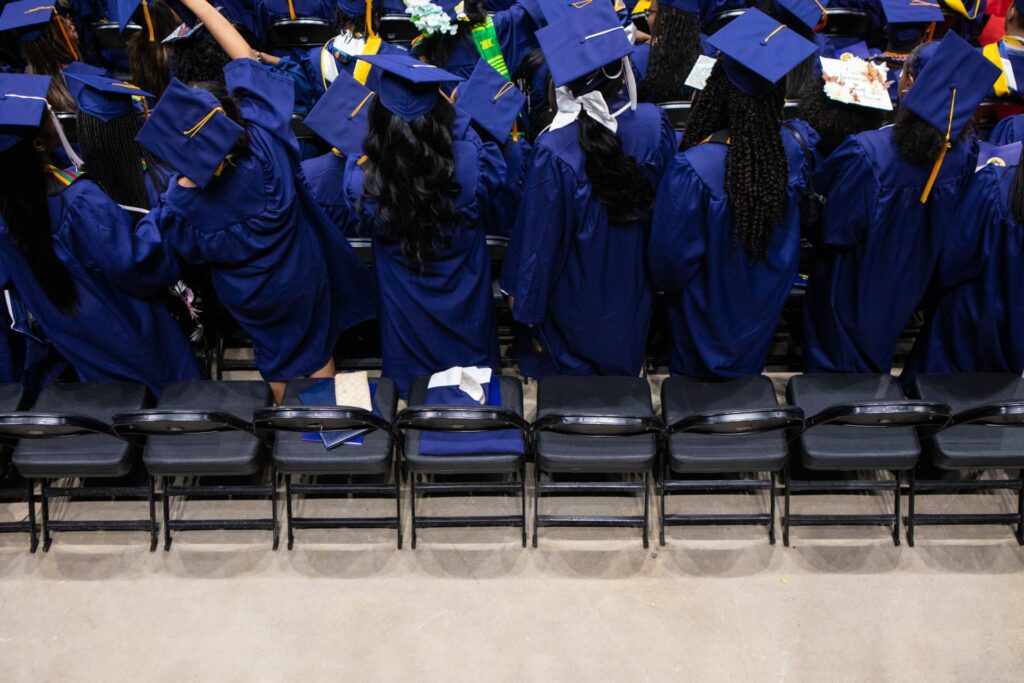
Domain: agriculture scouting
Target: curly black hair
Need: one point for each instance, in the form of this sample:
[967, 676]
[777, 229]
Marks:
[26, 212]
[436, 49]
[411, 175]
[675, 47]
[917, 141]
[834, 121]
[756, 170]
[113, 159]
[199, 59]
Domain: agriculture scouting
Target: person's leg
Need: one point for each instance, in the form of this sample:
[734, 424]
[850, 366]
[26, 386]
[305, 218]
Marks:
[326, 371]
[278, 390]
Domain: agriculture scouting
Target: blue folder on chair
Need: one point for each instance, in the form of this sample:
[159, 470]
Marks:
[322, 394]
[501, 442]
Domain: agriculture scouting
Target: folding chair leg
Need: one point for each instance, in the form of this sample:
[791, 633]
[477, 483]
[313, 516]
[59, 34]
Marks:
[273, 507]
[1020, 509]
[911, 504]
[661, 506]
[771, 510]
[45, 509]
[33, 533]
[896, 520]
[647, 506]
[398, 504]
[522, 494]
[412, 506]
[785, 517]
[154, 533]
[536, 498]
[165, 485]
[288, 510]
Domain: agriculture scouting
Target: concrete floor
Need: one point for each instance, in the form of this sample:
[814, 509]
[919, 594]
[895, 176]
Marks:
[714, 604]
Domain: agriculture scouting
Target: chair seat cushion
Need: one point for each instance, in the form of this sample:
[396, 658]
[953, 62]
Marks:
[511, 398]
[614, 396]
[91, 455]
[11, 397]
[974, 446]
[295, 455]
[215, 453]
[710, 453]
[849, 448]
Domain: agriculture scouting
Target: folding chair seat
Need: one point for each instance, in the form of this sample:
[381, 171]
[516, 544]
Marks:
[109, 36]
[856, 423]
[594, 426]
[984, 434]
[202, 429]
[440, 474]
[14, 487]
[730, 427]
[296, 457]
[299, 33]
[844, 22]
[398, 29]
[67, 435]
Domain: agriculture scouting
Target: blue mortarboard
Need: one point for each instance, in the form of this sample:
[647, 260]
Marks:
[759, 51]
[28, 17]
[190, 132]
[948, 89]
[924, 55]
[453, 8]
[490, 100]
[139, 11]
[22, 105]
[342, 116]
[582, 42]
[859, 50]
[103, 97]
[685, 6]
[408, 88]
[810, 13]
[908, 19]
[969, 9]
[352, 8]
[83, 68]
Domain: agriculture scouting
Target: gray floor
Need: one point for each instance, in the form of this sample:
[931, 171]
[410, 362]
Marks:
[714, 604]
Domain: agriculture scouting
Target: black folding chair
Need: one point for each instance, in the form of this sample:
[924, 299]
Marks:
[594, 426]
[209, 440]
[299, 33]
[983, 435]
[721, 19]
[14, 487]
[298, 459]
[446, 472]
[107, 35]
[859, 423]
[67, 435]
[741, 429]
[678, 113]
[843, 22]
[398, 28]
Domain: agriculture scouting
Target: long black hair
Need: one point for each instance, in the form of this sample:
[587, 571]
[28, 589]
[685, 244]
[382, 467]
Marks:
[756, 170]
[615, 177]
[834, 121]
[411, 175]
[675, 47]
[23, 205]
[113, 158]
[917, 141]
[437, 48]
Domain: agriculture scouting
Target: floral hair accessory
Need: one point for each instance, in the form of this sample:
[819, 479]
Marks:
[431, 18]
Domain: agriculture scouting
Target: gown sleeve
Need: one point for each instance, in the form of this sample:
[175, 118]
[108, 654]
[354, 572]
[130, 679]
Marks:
[131, 255]
[848, 182]
[266, 97]
[1010, 129]
[542, 233]
[963, 255]
[491, 175]
[515, 28]
[666, 150]
[678, 244]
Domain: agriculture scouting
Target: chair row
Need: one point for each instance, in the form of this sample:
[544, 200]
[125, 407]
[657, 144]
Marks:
[591, 436]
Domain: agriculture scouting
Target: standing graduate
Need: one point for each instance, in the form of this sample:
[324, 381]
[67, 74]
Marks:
[239, 206]
[77, 261]
[977, 321]
[419, 191]
[576, 269]
[891, 194]
[726, 230]
[675, 46]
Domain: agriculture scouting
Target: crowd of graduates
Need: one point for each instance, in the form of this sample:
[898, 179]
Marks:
[185, 187]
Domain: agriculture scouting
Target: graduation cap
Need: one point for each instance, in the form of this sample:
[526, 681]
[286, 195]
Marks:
[968, 9]
[684, 6]
[947, 90]
[408, 88]
[759, 51]
[83, 68]
[456, 9]
[491, 100]
[138, 10]
[22, 105]
[554, 10]
[342, 116]
[908, 19]
[582, 42]
[103, 97]
[30, 18]
[810, 13]
[189, 130]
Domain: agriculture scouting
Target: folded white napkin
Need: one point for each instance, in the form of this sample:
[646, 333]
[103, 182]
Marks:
[470, 380]
[352, 389]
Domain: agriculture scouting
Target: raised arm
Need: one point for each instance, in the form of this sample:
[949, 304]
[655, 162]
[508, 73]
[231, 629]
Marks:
[229, 39]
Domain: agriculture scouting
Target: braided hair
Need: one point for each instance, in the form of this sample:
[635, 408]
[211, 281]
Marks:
[756, 169]
[411, 176]
[113, 159]
[675, 47]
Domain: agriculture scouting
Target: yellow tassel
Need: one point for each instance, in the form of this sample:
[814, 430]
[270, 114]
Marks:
[149, 21]
[942, 154]
[194, 130]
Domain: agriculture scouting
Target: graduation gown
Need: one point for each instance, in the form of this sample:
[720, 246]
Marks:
[119, 331]
[283, 271]
[1010, 129]
[499, 216]
[443, 316]
[876, 250]
[977, 321]
[723, 308]
[325, 175]
[579, 281]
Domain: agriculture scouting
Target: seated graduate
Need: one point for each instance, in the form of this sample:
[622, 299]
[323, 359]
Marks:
[805, 18]
[673, 50]
[108, 121]
[576, 271]
[726, 229]
[909, 24]
[149, 56]
[976, 323]
[77, 261]
[891, 194]
[419, 190]
[240, 206]
[833, 120]
[494, 104]
[49, 42]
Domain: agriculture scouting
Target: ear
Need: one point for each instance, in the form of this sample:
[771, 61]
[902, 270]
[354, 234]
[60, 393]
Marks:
[40, 142]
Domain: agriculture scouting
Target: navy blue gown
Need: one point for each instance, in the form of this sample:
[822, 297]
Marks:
[723, 308]
[580, 282]
[283, 271]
